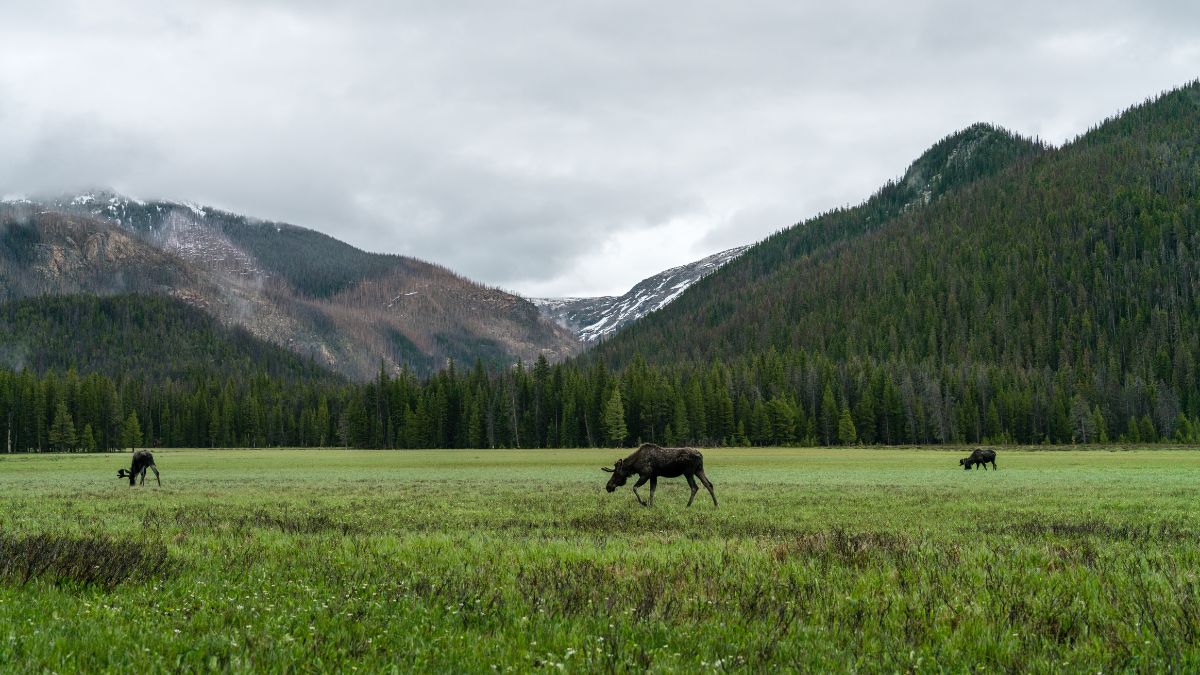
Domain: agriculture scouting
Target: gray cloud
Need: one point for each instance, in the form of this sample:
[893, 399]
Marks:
[550, 148]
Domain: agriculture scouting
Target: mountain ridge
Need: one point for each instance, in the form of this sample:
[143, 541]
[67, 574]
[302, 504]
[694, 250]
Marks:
[592, 319]
[949, 166]
[299, 288]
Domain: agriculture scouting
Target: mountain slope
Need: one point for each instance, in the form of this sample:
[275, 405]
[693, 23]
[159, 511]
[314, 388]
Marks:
[592, 319]
[719, 316]
[348, 309]
[154, 337]
[1082, 258]
[55, 253]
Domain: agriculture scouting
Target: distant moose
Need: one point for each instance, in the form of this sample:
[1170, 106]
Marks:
[650, 462]
[979, 457]
[142, 460]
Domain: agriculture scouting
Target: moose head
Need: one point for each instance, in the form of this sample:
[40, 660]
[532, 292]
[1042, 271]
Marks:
[620, 475]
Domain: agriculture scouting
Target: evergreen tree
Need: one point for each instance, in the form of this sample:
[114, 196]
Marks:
[62, 430]
[87, 439]
[1146, 429]
[1133, 432]
[322, 422]
[829, 416]
[131, 432]
[614, 419]
[1183, 429]
[865, 414]
[847, 434]
[1099, 425]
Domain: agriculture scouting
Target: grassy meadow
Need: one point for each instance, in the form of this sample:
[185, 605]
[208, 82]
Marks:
[472, 561]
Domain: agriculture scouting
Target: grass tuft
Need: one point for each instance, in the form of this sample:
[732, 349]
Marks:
[91, 561]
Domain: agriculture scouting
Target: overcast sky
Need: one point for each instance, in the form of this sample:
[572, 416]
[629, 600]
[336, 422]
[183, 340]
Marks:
[555, 147]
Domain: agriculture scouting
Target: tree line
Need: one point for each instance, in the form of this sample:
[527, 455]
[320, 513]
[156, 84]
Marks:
[768, 399]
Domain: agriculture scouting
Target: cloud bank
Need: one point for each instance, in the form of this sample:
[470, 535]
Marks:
[545, 147]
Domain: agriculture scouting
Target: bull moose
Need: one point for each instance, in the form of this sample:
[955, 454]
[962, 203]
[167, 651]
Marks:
[650, 462]
[142, 460]
[979, 457]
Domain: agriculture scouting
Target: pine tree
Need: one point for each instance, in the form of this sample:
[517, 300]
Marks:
[865, 414]
[847, 434]
[322, 422]
[1147, 430]
[475, 428]
[131, 432]
[62, 430]
[1183, 429]
[1133, 434]
[1099, 425]
[992, 427]
[87, 439]
[829, 416]
[614, 419]
[680, 426]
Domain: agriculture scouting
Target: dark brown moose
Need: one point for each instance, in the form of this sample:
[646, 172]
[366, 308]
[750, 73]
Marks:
[650, 462]
[979, 457]
[142, 460]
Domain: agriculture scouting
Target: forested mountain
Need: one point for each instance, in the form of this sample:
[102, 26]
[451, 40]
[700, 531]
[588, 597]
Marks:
[1029, 292]
[153, 336]
[323, 299]
[592, 319]
[710, 320]
[88, 373]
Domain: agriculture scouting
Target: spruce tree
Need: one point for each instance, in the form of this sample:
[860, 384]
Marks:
[87, 439]
[847, 434]
[131, 432]
[62, 430]
[1147, 430]
[829, 416]
[614, 419]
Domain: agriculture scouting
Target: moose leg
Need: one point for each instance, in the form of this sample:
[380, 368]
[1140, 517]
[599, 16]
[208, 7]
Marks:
[155, 470]
[143, 481]
[707, 484]
[993, 465]
[692, 484]
[641, 482]
[653, 487]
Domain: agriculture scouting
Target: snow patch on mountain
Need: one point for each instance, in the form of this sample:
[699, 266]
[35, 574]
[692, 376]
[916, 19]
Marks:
[592, 319]
[181, 228]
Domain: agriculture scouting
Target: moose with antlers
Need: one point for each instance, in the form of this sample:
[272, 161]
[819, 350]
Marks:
[143, 460]
[651, 462]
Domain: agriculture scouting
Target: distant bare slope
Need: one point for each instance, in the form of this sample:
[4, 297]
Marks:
[348, 309]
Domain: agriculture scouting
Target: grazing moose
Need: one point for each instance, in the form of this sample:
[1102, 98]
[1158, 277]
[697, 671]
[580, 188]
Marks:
[650, 462]
[979, 457]
[142, 460]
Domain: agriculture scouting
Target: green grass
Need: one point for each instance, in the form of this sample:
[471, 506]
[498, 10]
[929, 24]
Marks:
[465, 561]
